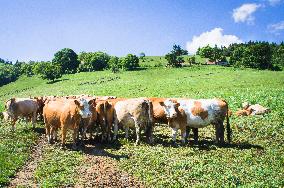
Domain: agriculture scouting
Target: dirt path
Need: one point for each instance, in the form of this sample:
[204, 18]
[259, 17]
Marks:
[25, 177]
[98, 170]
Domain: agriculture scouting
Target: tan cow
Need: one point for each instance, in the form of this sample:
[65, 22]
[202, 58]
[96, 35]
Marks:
[22, 107]
[197, 114]
[255, 109]
[134, 113]
[65, 114]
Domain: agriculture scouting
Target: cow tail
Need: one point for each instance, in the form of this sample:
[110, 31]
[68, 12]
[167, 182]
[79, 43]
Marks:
[105, 113]
[229, 130]
[150, 118]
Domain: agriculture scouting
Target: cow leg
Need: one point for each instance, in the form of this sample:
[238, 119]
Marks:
[149, 134]
[217, 133]
[138, 133]
[187, 133]
[34, 119]
[174, 134]
[13, 123]
[126, 129]
[63, 136]
[92, 126]
[109, 131]
[221, 132]
[183, 134]
[47, 132]
[75, 134]
[55, 134]
[195, 135]
[115, 129]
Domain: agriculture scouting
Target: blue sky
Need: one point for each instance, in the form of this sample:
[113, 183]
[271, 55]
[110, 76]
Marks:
[36, 29]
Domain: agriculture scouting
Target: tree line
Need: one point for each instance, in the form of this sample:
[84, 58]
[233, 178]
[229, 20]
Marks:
[257, 55]
[66, 61]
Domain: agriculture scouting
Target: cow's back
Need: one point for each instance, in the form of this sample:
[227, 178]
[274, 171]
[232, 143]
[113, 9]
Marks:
[202, 112]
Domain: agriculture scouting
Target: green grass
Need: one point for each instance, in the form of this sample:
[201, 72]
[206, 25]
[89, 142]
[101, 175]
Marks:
[255, 158]
[14, 149]
[58, 169]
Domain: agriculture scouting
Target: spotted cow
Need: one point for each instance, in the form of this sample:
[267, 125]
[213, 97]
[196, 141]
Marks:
[134, 113]
[197, 114]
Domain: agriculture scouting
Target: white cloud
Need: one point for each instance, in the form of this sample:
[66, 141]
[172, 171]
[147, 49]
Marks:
[276, 28]
[274, 2]
[245, 12]
[215, 36]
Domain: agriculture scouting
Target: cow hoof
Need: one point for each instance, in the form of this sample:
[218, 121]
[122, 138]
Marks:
[74, 147]
[174, 144]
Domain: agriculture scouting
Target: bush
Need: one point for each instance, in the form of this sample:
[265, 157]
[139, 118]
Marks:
[175, 58]
[51, 71]
[93, 61]
[8, 73]
[130, 62]
[67, 60]
[114, 64]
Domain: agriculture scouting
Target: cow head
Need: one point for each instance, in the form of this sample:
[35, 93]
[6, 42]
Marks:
[245, 105]
[170, 107]
[11, 106]
[84, 107]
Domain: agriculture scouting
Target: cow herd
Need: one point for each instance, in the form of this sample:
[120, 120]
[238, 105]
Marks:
[108, 113]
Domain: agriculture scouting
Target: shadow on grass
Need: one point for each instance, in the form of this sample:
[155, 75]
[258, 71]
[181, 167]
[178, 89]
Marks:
[204, 144]
[55, 81]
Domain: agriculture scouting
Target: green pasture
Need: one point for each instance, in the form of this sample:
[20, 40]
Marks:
[255, 158]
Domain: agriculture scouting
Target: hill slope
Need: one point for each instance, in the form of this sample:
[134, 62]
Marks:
[254, 159]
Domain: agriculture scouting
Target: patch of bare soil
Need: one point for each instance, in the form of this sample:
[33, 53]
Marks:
[25, 176]
[100, 170]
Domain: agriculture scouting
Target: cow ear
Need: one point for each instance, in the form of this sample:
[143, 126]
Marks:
[91, 101]
[13, 99]
[77, 102]
[162, 103]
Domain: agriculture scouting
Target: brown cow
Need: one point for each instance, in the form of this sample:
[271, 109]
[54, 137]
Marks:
[136, 113]
[197, 114]
[22, 107]
[65, 114]
[160, 115]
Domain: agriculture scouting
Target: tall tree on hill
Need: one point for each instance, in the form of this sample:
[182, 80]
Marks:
[93, 61]
[175, 57]
[213, 54]
[278, 57]
[67, 59]
[51, 71]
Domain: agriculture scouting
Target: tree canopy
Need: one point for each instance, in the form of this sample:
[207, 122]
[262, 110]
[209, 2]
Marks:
[67, 60]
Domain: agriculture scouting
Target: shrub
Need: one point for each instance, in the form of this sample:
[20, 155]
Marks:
[51, 71]
[67, 60]
[130, 62]
[93, 61]
[8, 73]
[114, 64]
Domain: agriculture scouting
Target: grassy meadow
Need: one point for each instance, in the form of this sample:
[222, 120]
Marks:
[254, 159]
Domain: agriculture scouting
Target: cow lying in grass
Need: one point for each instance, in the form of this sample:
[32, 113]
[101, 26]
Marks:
[65, 114]
[252, 110]
[197, 114]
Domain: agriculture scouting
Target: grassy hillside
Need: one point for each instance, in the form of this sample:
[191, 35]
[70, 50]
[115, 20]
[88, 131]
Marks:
[255, 158]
